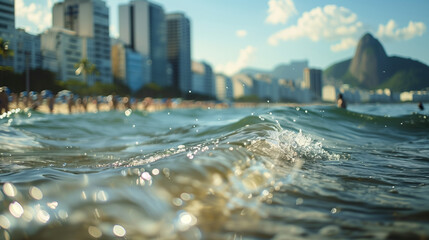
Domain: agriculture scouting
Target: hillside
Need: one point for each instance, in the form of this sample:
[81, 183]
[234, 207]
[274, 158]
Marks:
[371, 68]
[292, 71]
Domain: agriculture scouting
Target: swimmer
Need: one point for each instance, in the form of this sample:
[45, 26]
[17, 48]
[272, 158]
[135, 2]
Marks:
[341, 102]
[421, 107]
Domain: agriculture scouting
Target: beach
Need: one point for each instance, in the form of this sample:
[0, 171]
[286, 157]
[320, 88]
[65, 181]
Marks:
[154, 105]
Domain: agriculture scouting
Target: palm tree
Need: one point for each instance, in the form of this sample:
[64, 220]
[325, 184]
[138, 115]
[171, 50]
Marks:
[5, 51]
[85, 67]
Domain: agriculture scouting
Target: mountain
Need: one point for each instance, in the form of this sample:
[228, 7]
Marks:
[371, 68]
[370, 62]
[254, 71]
[292, 71]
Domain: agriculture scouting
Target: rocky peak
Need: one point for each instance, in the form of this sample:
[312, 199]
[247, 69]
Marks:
[370, 62]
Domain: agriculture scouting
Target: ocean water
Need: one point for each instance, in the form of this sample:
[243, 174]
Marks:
[272, 172]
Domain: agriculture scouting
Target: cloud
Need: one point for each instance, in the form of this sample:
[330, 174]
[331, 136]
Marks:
[331, 23]
[279, 11]
[37, 14]
[345, 44]
[241, 33]
[242, 61]
[390, 32]
[50, 4]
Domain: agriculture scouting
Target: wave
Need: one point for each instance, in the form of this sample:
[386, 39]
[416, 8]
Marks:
[192, 173]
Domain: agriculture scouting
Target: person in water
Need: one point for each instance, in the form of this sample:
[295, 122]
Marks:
[421, 107]
[341, 102]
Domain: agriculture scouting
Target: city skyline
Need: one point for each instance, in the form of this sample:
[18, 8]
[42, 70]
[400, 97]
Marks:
[268, 33]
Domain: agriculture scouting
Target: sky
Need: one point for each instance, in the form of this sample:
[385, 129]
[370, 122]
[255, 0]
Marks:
[234, 34]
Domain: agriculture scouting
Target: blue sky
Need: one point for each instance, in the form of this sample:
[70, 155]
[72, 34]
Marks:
[232, 34]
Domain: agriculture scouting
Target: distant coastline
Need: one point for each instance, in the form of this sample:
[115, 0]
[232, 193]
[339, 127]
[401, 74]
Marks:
[157, 105]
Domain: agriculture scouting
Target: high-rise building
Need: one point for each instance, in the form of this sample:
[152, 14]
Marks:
[202, 79]
[179, 50]
[266, 87]
[61, 50]
[142, 27]
[243, 85]
[223, 87]
[7, 28]
[129, 67]
[27, 51]
[90, 20]
[313, 81]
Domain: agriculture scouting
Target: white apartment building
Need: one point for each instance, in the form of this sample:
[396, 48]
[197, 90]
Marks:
[223, 87]
[61, 50]
[90, 20]
[243, 85]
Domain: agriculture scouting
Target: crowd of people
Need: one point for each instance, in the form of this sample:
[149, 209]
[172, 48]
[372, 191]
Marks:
[70, 103]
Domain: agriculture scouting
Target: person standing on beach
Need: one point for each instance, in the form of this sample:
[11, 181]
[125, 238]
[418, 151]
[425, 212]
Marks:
[113, 102]
[51, 103]
[85, 104]
[4, 101]
[70, 103]
[341, 102]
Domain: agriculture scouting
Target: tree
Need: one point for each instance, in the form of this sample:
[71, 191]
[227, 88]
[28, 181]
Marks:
[85, 67]
[5, 52]
[4, 49]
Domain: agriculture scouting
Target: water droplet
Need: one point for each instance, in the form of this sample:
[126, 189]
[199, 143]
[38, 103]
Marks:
[119, 231]
[185, 196]
[4, 222]
[52, 205]
[146, 176]
[43, 216]
[155, 171]
[9, 189]
[186, 220]
[177, 202]
[94, 232]
[102, 196]
[16, 209]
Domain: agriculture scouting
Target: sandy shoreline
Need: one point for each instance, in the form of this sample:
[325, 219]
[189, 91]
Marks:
[157, 105]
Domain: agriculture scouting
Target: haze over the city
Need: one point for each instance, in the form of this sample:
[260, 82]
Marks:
[232, 35]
